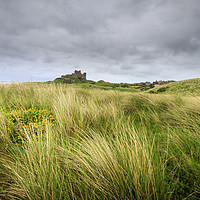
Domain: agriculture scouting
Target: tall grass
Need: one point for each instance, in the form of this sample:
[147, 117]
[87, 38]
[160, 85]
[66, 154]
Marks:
[100, 145]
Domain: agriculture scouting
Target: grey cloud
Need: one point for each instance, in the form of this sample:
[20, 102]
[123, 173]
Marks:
[134, 38]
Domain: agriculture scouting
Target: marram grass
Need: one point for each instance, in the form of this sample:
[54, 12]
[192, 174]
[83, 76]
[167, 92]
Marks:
[65, 142]
[185, 87]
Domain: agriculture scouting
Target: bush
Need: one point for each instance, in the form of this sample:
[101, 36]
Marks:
[19, 121]
[114, 85]
[100, 81]
[59, 80]
[162, 89]
[124, 85]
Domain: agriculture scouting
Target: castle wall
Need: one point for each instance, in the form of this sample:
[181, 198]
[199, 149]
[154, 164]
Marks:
[76, 74]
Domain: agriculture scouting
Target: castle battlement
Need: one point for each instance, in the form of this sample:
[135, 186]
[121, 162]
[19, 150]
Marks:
[76, 74]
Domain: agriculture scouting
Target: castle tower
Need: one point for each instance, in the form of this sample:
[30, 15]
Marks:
[76, 74]
[84, 76]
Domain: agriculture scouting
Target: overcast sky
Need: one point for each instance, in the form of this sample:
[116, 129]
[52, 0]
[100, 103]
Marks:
[113, 40]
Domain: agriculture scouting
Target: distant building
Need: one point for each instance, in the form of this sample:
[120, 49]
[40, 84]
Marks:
[105, 82]
[76, 74]
[158, 83]
[165, 82]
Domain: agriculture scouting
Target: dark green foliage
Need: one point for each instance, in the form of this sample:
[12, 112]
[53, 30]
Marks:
[59, 80]
[89, 81]
[114, 85]
[162, 89]
[100, 81]
[124, 85]
[76, 80]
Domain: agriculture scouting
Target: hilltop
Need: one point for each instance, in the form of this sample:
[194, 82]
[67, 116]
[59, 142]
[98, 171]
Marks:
[80, 80]
[186, 87]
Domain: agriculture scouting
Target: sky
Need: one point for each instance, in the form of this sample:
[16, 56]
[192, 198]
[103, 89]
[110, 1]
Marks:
[114, 40]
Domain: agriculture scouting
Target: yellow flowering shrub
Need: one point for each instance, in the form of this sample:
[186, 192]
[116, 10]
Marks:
[34, 120]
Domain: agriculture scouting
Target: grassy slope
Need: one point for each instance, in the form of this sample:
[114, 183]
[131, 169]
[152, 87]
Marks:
[66, 142]
[109, 87]
[186, 87]
[92, 84]
[105, 87]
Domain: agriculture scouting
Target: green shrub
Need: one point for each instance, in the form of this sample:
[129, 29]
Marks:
[162, 89]
[124, 85]
[100, 81]
[59, 80]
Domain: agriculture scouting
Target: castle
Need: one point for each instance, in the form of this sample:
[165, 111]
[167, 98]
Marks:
[76, 74]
